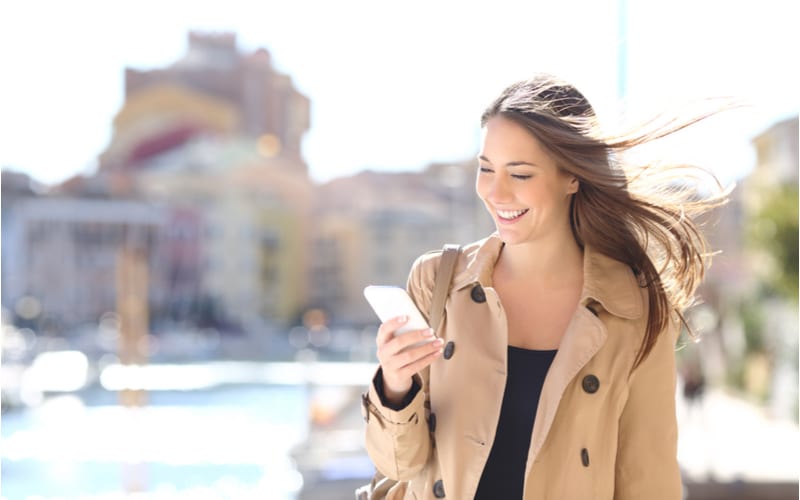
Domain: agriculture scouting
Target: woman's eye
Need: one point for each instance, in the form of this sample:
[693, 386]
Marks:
[485, 170]
[521, 177]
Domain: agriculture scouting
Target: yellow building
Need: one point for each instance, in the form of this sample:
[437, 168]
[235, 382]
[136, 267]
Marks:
[215, 139]
[254, 218]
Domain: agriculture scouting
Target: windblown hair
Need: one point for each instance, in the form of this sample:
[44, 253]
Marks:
[639, 215]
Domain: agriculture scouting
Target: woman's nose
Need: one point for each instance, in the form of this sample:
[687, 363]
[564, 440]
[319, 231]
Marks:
[499, 191]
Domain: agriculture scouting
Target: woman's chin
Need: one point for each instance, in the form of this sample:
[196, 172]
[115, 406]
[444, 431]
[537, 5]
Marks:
[509, 237]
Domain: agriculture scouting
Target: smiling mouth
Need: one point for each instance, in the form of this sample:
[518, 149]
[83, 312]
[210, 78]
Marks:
[510, 215]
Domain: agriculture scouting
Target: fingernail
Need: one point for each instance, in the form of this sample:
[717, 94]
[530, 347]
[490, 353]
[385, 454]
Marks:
[428, 332]
[403, 319]
[439, 341]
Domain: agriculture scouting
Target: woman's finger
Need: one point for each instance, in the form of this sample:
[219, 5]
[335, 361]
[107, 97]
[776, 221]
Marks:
[419, 364]
[401, 352]
[387, 329]
[400, 342]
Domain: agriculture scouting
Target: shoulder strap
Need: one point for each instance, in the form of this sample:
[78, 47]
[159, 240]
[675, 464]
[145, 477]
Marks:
[380, 484]
[442, 284]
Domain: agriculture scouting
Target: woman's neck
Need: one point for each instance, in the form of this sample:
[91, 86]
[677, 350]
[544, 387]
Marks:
[551, 262]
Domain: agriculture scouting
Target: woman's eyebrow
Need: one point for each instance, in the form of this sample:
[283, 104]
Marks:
[511, 163]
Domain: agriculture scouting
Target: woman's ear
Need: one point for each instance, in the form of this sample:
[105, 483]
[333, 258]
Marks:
[573, 185]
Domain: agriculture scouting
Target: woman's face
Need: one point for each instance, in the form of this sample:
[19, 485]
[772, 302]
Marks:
[526, 194]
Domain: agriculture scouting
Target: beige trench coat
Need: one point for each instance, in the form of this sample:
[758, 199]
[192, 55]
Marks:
[602, 430]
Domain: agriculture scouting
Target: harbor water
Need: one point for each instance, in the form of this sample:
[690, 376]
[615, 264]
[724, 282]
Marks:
[229, 441]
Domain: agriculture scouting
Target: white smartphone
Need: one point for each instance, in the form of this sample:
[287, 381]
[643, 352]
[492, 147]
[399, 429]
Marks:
[391, 301]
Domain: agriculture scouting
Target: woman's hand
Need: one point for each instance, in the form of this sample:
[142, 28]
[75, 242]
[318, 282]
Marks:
[399, 362]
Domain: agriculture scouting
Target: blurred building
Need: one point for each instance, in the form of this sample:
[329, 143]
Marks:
[215, 139]
[370, 228]
[15, 187]
[239, 233]
[204, 167]
[214, 90]
[729, 277]
[60, 256]
[777, 153]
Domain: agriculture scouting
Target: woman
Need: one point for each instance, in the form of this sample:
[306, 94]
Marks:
[553, 372]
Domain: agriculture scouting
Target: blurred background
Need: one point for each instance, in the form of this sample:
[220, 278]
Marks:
[193, 198]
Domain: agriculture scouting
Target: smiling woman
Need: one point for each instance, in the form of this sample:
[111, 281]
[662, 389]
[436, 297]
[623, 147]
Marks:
[523, 188]
[641, 217]
[554, 375]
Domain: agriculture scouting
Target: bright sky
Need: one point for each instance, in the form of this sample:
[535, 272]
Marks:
[397, 85]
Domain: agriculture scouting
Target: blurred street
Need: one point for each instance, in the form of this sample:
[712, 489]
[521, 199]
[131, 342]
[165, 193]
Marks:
[726, 439]
[243, 436]
[728, 449]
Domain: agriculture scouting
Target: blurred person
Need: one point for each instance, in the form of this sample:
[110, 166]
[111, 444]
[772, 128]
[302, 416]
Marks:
[694, 382]
[552, 374]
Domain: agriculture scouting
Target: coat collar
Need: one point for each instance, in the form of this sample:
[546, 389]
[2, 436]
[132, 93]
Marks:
[606, 281]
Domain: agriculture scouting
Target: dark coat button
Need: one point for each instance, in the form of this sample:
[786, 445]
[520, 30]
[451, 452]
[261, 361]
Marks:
[438, 489]
[585, 457]
[448, 349]
[590, 384]
[432, 422]
[477, 294]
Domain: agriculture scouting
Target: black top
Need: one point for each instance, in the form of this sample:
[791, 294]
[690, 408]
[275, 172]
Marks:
[504, 474]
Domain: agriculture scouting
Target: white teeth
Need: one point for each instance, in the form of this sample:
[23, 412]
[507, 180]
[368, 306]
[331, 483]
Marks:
[510, 214]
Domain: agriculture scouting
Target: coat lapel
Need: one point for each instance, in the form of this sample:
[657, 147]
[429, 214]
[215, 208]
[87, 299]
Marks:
[608, 283]
[585, 336]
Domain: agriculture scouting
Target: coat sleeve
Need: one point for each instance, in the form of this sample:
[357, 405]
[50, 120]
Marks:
[398, 441]
[647, 465]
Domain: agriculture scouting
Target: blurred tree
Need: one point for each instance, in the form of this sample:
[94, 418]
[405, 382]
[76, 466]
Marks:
[772, 237]
[773, 232]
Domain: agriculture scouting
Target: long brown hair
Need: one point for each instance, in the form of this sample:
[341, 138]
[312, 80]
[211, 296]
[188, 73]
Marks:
[639, 215]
